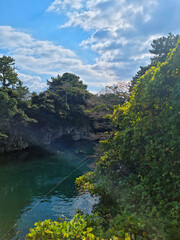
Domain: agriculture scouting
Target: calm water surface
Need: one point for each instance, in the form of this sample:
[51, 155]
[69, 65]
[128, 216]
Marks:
[26, 178]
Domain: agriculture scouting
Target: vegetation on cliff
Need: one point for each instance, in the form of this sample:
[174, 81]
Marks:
[66, 102]
[137, 176]
[13, 100]
[160, 49]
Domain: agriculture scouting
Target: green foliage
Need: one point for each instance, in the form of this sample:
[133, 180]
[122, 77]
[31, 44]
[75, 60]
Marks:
[8, 76]
[69, 89]
[85, 183]
[63, 100]
[13, 100]
[160, 49]
[139, 74]
[81, 227]
[162, 46]
[116, 94]
[75, 229]
[137, 176]
[98, 108]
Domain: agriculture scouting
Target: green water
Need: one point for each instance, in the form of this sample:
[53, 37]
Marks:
[26, 178]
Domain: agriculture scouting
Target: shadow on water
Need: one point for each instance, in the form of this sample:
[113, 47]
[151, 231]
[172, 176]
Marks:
[27, 176]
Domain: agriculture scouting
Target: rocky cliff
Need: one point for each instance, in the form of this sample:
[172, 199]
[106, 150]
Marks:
[44, 136]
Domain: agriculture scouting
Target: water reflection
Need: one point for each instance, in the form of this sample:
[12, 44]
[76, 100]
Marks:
[25, 179]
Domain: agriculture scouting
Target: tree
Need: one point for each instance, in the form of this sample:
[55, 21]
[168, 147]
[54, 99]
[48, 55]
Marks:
[160, 48]
[115, 94]
[139, 74]
[8, 108]
[69, 88]
[63, 99]
[13, 99]
[8, 76]
[23, 92]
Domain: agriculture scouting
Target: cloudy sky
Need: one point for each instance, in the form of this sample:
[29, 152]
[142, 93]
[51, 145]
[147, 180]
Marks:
[102, 41]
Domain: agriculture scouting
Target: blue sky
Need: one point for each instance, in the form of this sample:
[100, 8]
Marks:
[102, 41]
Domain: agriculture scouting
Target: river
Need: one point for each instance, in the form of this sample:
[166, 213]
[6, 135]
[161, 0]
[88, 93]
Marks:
[26, 177]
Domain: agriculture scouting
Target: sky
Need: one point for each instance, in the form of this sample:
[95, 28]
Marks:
[101, 41]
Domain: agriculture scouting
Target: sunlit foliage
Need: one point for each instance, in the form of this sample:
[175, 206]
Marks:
[137, 176]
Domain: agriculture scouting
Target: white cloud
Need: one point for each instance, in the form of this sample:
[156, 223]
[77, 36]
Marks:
[116, 41]
[15, 38]
[141, 56]
[145, 44]
[37, 60]
[32, 82]
[100, 14]
[117, 55]
[42, 59]
[120, 33]
[60, 5]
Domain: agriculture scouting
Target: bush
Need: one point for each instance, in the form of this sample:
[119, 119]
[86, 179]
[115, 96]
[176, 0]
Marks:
[75, 229]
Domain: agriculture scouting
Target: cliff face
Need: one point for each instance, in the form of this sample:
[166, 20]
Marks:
[48, 135]
[22, 138]
[45, 136]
